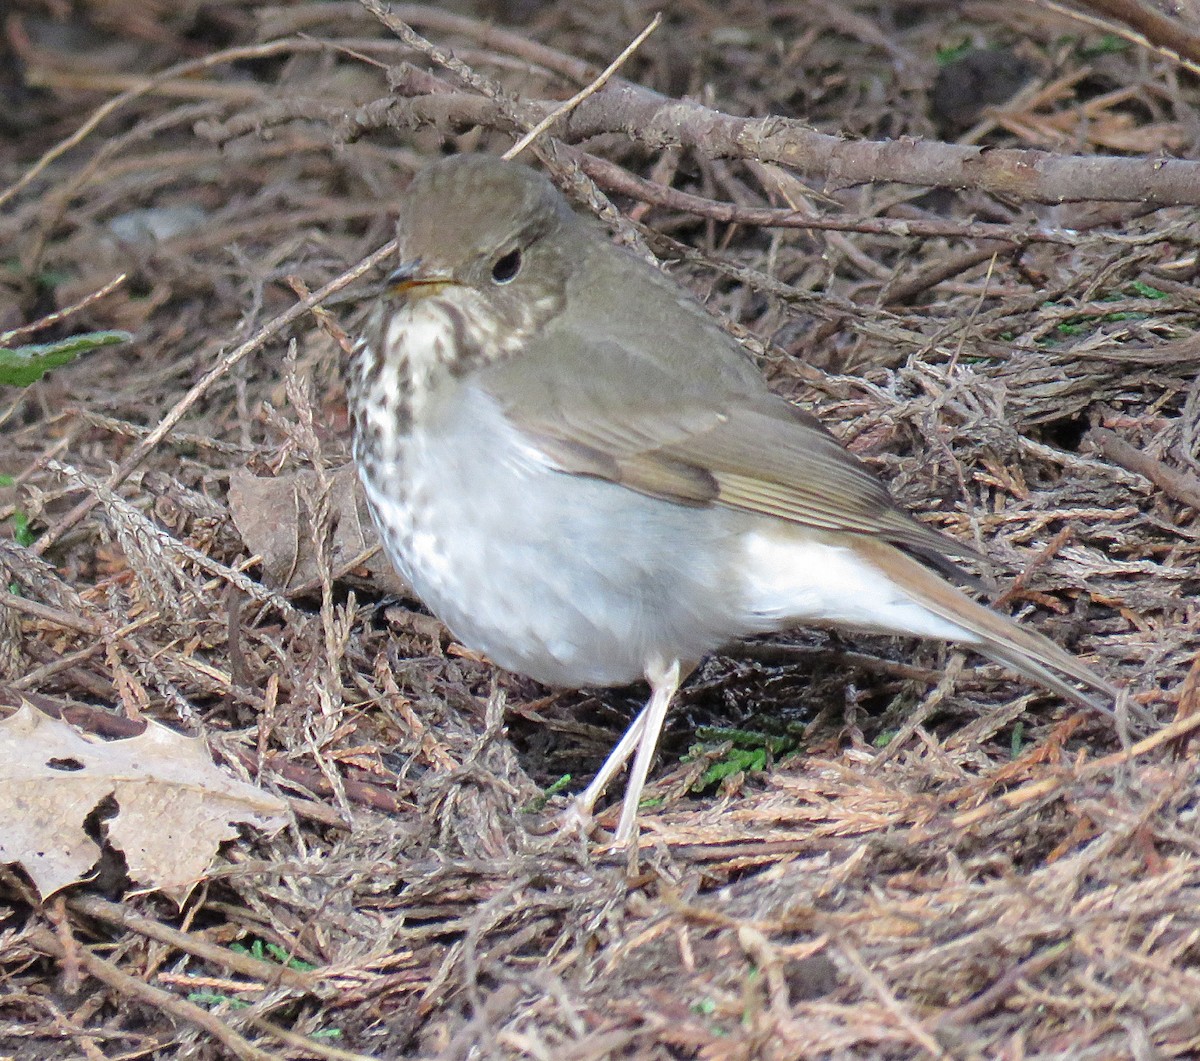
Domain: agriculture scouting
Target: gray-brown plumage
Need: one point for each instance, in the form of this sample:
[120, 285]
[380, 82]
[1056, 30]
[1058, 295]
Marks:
[581, 474]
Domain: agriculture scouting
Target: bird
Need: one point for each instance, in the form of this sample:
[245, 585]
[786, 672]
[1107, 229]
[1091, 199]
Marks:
[588, 481]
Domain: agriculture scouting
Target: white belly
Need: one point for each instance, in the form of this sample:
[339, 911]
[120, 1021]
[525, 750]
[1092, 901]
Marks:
[576, 581]
[570, 580]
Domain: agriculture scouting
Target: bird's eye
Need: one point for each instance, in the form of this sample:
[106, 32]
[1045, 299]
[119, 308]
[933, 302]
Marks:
[507, 267]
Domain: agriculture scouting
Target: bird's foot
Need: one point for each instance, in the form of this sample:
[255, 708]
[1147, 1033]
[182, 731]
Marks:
[576, 821]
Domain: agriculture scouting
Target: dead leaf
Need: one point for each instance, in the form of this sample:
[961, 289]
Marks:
[272, 516]
[174, 805]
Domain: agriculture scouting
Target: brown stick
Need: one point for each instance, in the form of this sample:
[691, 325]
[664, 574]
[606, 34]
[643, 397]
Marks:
[986, 1001]
[285, 22]
[1179, 485]
[130, 986]
[1155, 26]
[269, 974]
[659, 122]
[47, 614]
[1038, 176]
[616, 178]
[145, 87]
[1047, 786]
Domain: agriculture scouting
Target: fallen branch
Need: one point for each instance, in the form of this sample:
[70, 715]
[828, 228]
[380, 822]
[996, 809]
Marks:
[270, 974]
[155, 998]
[1172, 482]
[659, 122]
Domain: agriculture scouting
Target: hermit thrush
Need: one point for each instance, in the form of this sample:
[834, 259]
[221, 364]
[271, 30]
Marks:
[583, 477]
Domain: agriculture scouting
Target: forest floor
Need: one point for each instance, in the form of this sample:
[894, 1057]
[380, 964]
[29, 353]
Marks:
[851, 846]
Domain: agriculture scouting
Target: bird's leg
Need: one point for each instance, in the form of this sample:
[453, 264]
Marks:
[664, 681]
[583, 804]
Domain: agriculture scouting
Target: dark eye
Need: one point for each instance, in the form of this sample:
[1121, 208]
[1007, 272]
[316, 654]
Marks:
[507, 267]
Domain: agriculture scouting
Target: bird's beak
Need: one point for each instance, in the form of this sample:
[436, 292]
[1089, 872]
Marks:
[413, 280]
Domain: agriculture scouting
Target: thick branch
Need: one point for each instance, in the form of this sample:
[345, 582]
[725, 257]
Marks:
[659, 122]
[1037, 176]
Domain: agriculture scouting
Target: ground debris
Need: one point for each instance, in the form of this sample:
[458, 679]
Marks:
[955, 867]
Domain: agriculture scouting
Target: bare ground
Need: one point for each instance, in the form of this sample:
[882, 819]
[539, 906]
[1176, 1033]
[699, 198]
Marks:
[935, 860]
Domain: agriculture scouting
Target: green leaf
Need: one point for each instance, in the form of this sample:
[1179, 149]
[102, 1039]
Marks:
[271, 952]
[22, 535]
[211, 998]
[255, 950]
[1110, 42]
[1018, 739]
[748, 752]
[1146, 290]
[538, 802]
[736, 760]
[24, 365]
[281, 956]
[746, 738]
[945, 56]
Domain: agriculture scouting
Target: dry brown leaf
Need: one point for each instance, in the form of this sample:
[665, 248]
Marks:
[174, 805]
[273, 517]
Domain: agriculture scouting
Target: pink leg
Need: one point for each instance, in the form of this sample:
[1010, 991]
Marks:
[664, 681]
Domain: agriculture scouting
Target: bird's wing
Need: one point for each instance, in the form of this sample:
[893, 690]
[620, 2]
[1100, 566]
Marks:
[669, 438]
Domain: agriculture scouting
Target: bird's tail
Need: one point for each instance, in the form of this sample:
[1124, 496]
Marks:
[990, 633]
